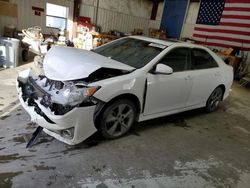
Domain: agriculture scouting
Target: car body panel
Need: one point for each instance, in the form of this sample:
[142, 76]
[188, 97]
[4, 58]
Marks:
[166, 92]
[131, 83]
[203, 83]
[58, 63]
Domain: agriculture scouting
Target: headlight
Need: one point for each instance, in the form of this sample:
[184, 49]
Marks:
[75, 95]
[91, 90]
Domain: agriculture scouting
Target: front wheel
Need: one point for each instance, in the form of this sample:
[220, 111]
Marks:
[214, 99]
[117, 118]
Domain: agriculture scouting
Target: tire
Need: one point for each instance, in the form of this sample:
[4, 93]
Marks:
[117, 118]
[214, 99]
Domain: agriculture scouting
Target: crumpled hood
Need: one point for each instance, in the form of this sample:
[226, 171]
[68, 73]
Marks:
[66, 63]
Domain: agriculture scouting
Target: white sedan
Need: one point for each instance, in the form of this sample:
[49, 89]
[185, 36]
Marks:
[130, 79]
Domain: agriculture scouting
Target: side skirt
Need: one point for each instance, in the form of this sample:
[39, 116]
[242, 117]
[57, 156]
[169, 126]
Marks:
[143, 117]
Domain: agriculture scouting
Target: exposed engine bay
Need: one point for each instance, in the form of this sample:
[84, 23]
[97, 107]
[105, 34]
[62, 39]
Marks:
[61, 97]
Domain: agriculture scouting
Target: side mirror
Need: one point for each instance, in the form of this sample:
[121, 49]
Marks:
[163, 69]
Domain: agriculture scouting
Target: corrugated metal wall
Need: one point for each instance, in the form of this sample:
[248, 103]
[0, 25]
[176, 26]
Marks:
[110, 20]
[124, 19]
[113, 20]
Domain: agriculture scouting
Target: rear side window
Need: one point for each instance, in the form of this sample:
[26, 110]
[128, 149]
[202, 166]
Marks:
[202, 60]
[177, 59]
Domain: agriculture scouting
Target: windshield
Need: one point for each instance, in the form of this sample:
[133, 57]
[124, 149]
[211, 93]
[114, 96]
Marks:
[134, 52]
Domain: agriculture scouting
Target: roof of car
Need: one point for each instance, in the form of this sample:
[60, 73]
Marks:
[154, 40]
[167, 42]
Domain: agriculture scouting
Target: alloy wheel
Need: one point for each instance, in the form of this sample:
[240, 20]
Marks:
[214, 99]
[119, 119]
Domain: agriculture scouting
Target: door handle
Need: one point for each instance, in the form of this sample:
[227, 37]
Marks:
[188, 78]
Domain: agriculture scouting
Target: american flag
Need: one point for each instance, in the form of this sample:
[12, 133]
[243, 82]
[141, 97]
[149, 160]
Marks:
[223, 24]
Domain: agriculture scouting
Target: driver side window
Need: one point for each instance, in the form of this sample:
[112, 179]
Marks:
[177, 59]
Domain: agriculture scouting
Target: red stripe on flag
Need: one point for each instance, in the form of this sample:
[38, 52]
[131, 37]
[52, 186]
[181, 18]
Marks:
[221, 45]
[222, 38]
[235, 24]
[246, 9]
[236, 17]
[237, 1]
[237, 30]
[222, 31]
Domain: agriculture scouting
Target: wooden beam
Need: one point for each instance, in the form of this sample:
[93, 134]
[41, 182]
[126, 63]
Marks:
[76, 12]
[154, 9]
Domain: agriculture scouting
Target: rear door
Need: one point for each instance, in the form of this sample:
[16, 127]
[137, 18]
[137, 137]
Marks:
[206, 76]
[169, 92]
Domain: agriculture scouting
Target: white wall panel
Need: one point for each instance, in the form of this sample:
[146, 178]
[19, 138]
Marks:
[154, 24]
[90, 2]
[138, 8]
[27, 18]
[110, 4]
[88, 11]
[190, 21]
[123, 15]
[160, 11]
[109, 20]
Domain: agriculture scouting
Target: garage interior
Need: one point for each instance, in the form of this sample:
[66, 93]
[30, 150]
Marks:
[189, 149]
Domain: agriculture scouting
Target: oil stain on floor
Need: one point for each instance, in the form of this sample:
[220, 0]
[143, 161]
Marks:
[12, 157]
[42, 167]
[19, 140]
[6, 178]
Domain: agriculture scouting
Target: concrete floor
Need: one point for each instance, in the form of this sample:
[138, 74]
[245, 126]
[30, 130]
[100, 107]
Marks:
[191, 149]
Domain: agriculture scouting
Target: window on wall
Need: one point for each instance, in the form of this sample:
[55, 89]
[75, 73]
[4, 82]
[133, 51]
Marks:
[56, 16]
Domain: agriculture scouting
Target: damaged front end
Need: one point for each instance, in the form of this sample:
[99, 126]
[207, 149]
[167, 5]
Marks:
[65, 110]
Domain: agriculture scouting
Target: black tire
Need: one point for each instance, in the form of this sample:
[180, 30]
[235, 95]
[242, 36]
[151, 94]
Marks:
[117, 118]
[214, 99]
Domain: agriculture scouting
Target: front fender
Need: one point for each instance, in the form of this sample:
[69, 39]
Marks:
[113, 88]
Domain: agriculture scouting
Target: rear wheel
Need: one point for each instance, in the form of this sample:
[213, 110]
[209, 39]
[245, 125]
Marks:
[117, 119]
[214, 99]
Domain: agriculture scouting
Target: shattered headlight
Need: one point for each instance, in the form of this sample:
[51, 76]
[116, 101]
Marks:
[76, 93]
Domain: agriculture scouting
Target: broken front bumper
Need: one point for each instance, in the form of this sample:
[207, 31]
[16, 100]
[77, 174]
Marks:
[70, 128]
